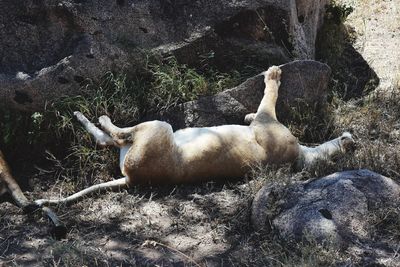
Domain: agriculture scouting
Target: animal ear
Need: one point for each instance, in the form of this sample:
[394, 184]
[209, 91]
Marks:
[346, 135]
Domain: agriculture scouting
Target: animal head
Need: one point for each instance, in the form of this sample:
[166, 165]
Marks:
[347, 143]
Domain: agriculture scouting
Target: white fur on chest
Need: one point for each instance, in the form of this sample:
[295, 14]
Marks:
[189, 134]
[194, 135]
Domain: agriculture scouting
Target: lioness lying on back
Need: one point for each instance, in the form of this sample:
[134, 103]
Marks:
[151, 153]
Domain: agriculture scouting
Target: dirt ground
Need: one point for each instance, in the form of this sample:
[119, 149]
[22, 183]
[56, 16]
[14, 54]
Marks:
[197, 225]
[171, 226]
[377, 26]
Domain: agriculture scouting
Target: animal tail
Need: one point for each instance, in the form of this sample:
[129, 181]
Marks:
[98, 188]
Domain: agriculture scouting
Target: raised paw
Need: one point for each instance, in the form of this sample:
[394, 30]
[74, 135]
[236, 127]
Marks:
[78, 114]
[273, 73]
[249, 118]
[104, 121]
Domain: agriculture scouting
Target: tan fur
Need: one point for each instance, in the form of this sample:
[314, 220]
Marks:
[8, 184]
[151, 153]
[158, 155]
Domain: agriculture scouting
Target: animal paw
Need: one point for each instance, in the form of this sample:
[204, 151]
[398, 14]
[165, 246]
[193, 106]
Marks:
[104, 120]
[249, 118]
[80, 116]
[273, 73]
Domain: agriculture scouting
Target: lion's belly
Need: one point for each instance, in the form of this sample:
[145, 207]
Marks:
[216, 152]
[192, 155]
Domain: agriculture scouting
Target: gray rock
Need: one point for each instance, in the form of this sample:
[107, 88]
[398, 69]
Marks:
[306, 80]
[334, 208]
[48, 48]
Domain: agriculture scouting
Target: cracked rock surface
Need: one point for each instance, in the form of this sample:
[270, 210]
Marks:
[48, 48]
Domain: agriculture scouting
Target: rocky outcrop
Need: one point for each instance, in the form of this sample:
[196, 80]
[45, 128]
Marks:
[49, 48]
[337, 208]
[306, 80]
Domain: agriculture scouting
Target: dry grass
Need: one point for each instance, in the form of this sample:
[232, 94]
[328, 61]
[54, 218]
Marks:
[209, 223]
[375, 123]
[54, 140]
[206, 224]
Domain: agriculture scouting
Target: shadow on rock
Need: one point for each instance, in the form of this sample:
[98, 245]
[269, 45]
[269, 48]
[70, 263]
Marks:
[352, 76]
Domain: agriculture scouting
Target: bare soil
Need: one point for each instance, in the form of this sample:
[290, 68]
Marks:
[208, 224]
[172, 226]
[377, 26]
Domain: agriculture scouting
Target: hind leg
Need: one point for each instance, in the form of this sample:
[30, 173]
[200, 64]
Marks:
[121, 136]
[110, 128]
[102, 139]
[154, 157]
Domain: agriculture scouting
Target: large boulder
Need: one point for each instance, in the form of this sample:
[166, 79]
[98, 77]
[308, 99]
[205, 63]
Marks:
[338, 208]
[49, 48]
[304, 80]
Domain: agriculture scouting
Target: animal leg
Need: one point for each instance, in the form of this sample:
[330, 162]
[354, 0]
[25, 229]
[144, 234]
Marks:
[310, 156]
[10, 185]
[272, 82]
[101, 137]
[7, 180]
[118, 134]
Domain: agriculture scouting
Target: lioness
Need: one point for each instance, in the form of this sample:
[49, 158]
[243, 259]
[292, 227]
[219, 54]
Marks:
[10, 186]
[151, 153]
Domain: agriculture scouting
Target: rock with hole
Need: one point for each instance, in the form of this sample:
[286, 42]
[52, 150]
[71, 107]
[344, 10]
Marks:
[338, 208]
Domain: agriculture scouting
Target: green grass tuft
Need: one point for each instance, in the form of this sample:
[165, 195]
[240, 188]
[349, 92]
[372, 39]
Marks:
[54, 140]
